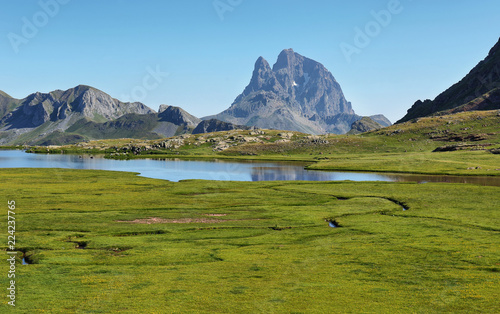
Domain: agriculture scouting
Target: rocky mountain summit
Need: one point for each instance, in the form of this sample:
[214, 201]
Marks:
[71, 105]
[86, 113]
[478, 90]
[177, 116]
[297, 94]
[73, 115]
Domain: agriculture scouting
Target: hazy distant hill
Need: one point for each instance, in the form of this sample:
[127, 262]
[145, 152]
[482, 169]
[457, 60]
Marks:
[297, 94]
[478, 90]
[366, 124]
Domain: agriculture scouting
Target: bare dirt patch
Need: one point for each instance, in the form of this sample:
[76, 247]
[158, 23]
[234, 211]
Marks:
[156, 220]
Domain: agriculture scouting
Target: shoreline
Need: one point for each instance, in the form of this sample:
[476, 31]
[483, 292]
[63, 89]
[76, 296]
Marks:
[312, 165]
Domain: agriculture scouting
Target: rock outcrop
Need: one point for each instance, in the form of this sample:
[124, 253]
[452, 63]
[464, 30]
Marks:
[213, 125]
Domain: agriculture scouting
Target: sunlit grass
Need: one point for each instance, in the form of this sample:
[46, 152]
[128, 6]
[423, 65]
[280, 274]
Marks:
[271, 252]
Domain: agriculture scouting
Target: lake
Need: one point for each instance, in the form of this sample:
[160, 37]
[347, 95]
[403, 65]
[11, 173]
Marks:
[221, 170]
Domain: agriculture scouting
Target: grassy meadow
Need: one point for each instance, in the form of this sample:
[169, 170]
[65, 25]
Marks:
[102, 242]
[472, 138]
[109, 242]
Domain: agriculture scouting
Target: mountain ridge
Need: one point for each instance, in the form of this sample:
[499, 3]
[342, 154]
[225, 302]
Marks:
[476, 86]
[50, 115]
[81, 101]
[87, 113]
[296, 93]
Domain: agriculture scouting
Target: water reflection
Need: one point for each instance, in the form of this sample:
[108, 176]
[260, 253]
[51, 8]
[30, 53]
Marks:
[298, 173]
[176, 170]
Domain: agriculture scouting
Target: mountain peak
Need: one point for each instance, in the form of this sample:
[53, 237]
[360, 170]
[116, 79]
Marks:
[68, 106]
[297, 94]
[287, 58]
[262, 77]
[288, 51]
[495, 49]
[3, 94]
[261, 63]
[84, 88]
[177, 115]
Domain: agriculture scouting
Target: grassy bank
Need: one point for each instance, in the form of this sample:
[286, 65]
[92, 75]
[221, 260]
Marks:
[101, 242]
[461, 144]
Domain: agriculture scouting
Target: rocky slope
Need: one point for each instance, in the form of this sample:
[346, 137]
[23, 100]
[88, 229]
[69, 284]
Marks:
[478, 90]
[214, 125]
[7, 104]
[79, 102]
[366, 124]
[297, 94]
[82, 113]
[85, 113]
[177, 116]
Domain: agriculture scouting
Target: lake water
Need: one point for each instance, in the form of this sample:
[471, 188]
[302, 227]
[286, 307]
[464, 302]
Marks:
[176, 170]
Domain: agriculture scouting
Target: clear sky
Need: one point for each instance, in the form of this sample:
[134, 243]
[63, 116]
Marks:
[199, 54]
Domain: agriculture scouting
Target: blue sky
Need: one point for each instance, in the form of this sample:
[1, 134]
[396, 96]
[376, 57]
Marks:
[199, 54]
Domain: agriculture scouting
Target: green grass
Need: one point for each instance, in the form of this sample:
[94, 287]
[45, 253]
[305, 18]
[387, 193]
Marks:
[407, 148]
[271, 252]
[449, 163]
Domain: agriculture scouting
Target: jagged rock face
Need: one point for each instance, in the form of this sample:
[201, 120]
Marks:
[476, 91]
[214, 125]
[310, 85]
[177, 116]
[297, 94]
[94, 103]
[81, 101]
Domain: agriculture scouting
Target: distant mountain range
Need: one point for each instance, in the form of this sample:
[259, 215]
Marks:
[81, 113]
[297, 94]
[478, 90]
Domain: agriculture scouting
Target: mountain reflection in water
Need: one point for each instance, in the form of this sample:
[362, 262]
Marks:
[218, 170]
